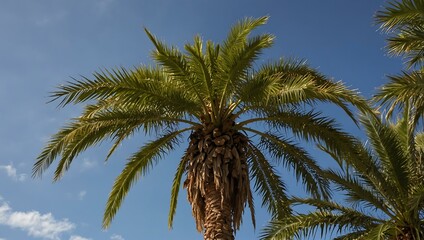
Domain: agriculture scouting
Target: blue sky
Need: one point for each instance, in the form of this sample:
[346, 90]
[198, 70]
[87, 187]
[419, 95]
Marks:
[44, 43]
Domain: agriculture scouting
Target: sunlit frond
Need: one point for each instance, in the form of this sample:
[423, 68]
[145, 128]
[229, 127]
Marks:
[403, 20]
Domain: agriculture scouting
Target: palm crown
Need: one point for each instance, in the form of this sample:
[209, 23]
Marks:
[384, 189]
[214, 93]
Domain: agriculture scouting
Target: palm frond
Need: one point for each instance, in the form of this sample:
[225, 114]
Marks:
[200, 68]
[416, 201]
[175, 64]
[308, 224]
[390, 152]
[289, 82]
[351, 236]
[379, 232]
[305, 168]
[310, 126]
[358, 192]
[402, 90]
[138, 164]
[236, 72]
[237, 37]
[176, 189]
[400, 13]
[403, 20]
[268, 183]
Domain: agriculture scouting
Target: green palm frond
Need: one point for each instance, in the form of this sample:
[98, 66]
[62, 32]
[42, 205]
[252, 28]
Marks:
[268, 184]
[235, 42]
[290, 82]
[409, 44]
[351, 236]
[175, 63]
[379, 232]
[419, 142]
[404, 91]
[139, 164]
[310, 126]
[382, 186]
[416, 202]
[305, 168]
[404, 20]
[304, 225]
[392, 156]
[238, 69]
[360, 193]
[199, 66]
[176, 183]
[84, 132]
[142, 86]
[400, 13]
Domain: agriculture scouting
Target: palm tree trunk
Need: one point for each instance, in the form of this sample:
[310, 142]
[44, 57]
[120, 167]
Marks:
[218, 222]
[218, 181]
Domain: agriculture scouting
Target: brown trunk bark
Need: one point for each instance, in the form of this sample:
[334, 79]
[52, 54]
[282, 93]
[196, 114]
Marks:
[217, 183]
[218, 222]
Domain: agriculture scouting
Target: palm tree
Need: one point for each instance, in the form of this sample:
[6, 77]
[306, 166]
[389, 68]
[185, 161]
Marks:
[384, 189]
[232, 110]
[404, 21]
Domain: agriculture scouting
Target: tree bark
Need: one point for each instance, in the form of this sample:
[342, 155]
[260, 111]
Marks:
[218, 222]
[217, 183]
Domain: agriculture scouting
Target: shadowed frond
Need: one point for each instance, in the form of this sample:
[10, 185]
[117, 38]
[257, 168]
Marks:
[139, 164]
[305, 168]
[176, 183]
[392, 156]
[268, 184]
[303, 225]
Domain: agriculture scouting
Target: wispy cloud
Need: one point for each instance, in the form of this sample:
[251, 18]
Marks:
[76, 237]
[11, 172]
[88, 164]
[103, 5]
[82, 194]
[116, 237]
[36, 224]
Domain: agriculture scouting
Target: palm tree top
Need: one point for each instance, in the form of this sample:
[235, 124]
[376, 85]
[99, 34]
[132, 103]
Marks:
[217, 94]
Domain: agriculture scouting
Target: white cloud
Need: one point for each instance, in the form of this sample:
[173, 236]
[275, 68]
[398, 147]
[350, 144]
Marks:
[88, 164]
[75, 237]
[12, 173]
[82, 194]
[34, 223]
[116, 237]
[103, 5]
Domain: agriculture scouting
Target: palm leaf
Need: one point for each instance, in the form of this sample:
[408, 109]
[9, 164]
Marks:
[139, 164]
[175, 189]
[304, 166]
[268, 183]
